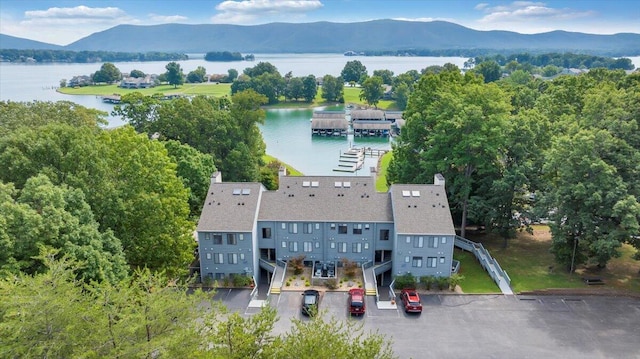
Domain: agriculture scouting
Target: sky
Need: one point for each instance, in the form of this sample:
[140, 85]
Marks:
[62, 22]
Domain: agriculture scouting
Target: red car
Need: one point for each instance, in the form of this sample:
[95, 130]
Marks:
[411, 301]
[356, 301]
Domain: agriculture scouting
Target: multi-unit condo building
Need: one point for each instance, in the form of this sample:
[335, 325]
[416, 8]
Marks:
[408, 229]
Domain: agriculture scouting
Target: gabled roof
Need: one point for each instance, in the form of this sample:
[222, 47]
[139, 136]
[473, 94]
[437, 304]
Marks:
[421, 209]
[367, 115]
[230, 207]
[326, 199]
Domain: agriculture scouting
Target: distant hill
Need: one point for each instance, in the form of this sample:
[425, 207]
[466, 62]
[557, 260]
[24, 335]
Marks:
[12, 42]
[328, 37]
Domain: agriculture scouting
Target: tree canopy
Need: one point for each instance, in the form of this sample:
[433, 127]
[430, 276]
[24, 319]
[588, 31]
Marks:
[520, 149]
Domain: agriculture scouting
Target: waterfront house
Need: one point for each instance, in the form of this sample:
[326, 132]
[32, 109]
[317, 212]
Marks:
[245, 229]
[137, 82]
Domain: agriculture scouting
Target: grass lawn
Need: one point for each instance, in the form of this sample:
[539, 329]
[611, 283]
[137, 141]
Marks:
[351, 94]
[217, 90]
[476, 280]
[531, 266]
[381, 179]
[290, 170]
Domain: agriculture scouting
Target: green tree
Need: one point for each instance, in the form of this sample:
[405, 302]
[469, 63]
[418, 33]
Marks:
[194, 169]
[240, 338]
[108, 73]
[594, 210]
[353, 71]
[309, 88]
[294, 89]
[138, 109]
[174, 74]
[146, 203]
[322, 338]
[455, 126]
[137, 74]
[333, 88]
[372, 90]
[261, 68]
[490, 71]
[198, 75]
[232, 75]
[57, 217]
[385, 75]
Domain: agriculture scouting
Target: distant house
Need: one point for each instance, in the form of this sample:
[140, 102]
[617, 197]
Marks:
[137, 82]
[79, 81]
[370, 123]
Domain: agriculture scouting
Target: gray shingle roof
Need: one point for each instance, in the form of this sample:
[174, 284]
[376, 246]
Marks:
[326, 198]
[367, 115]
[421, 209]
[231, 207]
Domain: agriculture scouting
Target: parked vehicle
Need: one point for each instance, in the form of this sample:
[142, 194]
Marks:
[411, 301]
[356, 301]
[310, 300]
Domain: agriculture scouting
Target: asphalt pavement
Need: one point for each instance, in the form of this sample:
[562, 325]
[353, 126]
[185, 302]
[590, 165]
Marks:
[484, 326]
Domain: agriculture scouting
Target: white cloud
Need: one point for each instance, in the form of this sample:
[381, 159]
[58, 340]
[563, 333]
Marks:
[520, 11]
[77, 12]
[61, 26]
[262, 11]
[167, 18]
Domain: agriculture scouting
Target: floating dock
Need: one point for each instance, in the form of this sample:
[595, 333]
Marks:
[350, 160]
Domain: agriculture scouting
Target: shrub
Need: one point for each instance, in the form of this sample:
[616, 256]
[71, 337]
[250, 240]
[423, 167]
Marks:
[350, 268]
[454, 280]
[405, 281]
[240, 280]
[428, 281]
[331, 283]
[297, 263]
[443, 282]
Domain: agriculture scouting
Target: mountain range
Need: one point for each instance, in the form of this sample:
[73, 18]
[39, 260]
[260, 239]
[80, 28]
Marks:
[330, 37]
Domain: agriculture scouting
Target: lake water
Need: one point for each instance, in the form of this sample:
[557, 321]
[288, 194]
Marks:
[287, 133]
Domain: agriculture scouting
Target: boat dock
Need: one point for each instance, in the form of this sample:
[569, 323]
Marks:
[350, 160]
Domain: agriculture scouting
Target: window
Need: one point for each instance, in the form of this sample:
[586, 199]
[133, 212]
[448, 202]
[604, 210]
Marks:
[284, 244]
[317, 225]
[444, 240]
[317, 244]
[217, 239]
[342, 229]
[357, 229]
[231, 239]
[356, 248]
[307, 246]
[408, 239]
[208, 255]
[418, 242]
[208, 236]
[308, 228]
[333, 226]
[241, 256]
[442, 260]
[266, 232]
[366, 226]
[384, 234]
[433, 242]
[432, 262]
[218, 258]
[366, 245]
[406, 259]
[333, 245]
[416, 262]
[233, 258]
[293, 246]
[293, 228]
[283, 225]
[241, 236]
[342, 247]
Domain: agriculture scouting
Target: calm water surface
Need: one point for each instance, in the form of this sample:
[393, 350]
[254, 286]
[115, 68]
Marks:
[287, 133]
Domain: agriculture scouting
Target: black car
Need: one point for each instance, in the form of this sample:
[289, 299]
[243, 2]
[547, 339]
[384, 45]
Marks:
[310, 299]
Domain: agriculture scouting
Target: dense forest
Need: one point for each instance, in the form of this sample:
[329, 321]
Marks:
[562, 60]
[227, 56]
[13, 55]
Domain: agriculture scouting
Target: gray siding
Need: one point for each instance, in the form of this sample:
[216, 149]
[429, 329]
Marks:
[224, 259]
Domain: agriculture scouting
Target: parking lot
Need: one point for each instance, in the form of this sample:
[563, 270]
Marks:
[488, 326]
